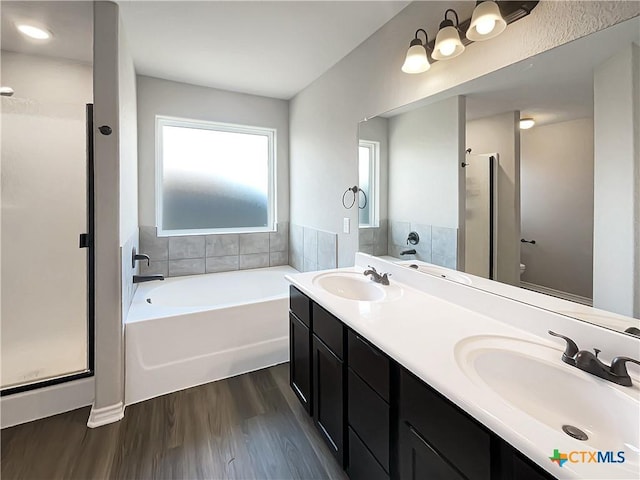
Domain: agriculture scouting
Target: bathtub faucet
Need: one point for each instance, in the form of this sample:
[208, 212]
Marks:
[147, 278]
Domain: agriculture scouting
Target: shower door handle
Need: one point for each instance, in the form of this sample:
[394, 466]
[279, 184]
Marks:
[532, 242]
[84, 241]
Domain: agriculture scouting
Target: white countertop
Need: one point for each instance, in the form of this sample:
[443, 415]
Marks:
[421, 331]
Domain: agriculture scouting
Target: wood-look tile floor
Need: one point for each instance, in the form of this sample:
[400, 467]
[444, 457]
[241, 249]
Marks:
[246, 427]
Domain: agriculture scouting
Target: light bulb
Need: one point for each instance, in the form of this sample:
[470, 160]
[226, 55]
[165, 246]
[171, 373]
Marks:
[485, 26]
[447, 48]
[416, 61]
[34, 32]
[527, 123]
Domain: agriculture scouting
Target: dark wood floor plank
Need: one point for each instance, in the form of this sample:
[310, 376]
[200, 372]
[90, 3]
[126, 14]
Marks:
[249, 427]
[332, 469]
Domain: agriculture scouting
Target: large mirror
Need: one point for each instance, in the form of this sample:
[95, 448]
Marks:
[455, 180]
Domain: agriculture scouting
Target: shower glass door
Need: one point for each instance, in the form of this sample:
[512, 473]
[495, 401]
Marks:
[44, 168]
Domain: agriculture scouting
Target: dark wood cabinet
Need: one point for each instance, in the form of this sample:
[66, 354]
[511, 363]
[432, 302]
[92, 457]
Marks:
[300, 361]
[382, 422]
[419, 460]
[328, 397]
[515, 465]
[458, 440]
[362, 464]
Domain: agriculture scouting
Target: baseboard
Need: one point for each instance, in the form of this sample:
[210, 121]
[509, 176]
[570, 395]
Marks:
[105, 415]
[44, 402]
[557, 293]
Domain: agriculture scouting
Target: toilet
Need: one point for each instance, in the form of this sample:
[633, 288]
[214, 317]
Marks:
[523, 267]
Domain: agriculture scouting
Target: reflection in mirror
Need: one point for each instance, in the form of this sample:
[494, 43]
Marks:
[549, 209]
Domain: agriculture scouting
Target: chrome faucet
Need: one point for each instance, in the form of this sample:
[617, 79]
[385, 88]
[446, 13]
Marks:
[376, 277]
[147, 278]
[589, 362]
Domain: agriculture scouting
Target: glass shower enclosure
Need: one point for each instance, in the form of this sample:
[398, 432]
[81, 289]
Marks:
[46, 200]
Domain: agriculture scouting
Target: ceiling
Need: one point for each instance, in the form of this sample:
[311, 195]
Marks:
[70, 22]
[265, 48]
[270, 48]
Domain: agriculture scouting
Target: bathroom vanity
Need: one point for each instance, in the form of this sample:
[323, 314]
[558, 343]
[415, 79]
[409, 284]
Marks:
[395, 378]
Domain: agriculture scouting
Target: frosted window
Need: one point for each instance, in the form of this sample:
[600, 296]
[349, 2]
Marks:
[367, 172]
[214, 176]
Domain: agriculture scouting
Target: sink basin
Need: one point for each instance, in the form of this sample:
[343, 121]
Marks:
[441, 272]
[355, 286]
[532, 378]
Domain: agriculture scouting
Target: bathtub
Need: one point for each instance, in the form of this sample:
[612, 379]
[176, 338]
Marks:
[187, 331]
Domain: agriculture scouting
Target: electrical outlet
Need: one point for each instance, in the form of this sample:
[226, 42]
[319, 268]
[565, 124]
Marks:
[346, 225]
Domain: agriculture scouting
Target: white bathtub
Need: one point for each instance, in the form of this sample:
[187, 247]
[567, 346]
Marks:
[187, 331]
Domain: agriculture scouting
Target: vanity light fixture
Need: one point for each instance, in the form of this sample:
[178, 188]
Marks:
[34, 32]
[486, 22]
[527, 123]
[448, 44]
[489, 19]
[416, 60]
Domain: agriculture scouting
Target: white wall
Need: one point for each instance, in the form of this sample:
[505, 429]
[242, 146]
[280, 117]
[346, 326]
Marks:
[164, 97]
[116, 207]
[44, 208]
[500, 134]
[128, 139]
[368, 81]
[557, 205]
[127, 106]
[617, 184]
[424, 164]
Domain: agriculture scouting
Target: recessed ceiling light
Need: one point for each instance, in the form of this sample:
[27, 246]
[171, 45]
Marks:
[526, 123]
[34, 32]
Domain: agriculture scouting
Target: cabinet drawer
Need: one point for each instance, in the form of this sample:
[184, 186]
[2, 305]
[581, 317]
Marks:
[362, 465]
[369, 417]
[370, 363]
[453, 434]
[328, 329]
[300, 305]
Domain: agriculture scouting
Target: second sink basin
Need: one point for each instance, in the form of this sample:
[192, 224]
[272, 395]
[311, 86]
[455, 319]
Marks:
[532, 378]
[355, 286]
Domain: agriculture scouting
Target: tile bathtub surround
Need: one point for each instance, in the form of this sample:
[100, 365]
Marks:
[296, 247]
[197, 254]
[374, 240]
[437, 245]
[311, 249]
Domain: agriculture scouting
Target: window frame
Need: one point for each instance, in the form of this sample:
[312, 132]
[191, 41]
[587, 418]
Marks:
[373, 198]
[271, 133]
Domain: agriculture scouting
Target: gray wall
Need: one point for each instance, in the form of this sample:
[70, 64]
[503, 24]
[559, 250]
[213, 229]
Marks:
[425, 152]
[557, 205]
[164, 97]
[373, 240]
[426, 148]
[617, 184]
[325, 115]
[500, 134]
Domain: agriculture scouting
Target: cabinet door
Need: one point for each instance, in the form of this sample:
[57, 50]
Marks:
[419, 460]
[300, 361]
[328, 397]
